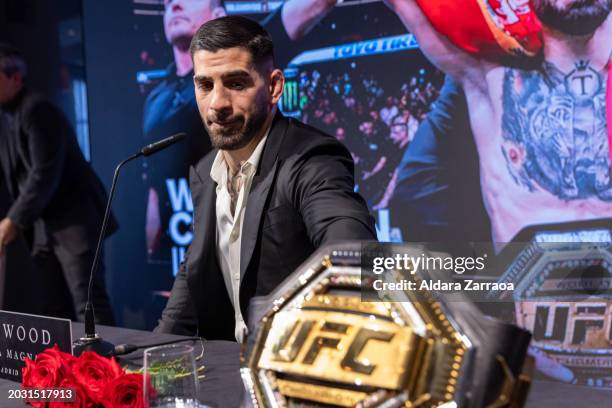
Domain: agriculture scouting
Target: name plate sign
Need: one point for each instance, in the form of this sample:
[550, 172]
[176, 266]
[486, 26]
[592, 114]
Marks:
[24, 336]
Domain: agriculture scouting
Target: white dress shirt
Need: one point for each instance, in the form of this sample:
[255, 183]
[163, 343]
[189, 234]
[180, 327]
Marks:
[229, 226]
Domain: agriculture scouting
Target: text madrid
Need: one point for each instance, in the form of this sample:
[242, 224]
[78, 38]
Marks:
[437, 285]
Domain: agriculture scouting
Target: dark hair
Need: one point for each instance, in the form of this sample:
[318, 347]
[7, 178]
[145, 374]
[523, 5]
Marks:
[232, 32]
[11, 61]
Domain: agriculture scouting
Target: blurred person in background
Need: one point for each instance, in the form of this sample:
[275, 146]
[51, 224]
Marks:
[402, 131]
[56, 201]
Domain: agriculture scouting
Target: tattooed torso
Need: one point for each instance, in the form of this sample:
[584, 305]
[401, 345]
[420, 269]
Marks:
[543, 146]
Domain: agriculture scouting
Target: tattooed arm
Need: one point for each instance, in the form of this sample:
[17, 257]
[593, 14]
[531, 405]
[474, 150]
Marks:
[438, 49]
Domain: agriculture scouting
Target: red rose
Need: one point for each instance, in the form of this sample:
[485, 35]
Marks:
[31, 373]
[47, 370]
[81, 398]
[95, 372]
[125, 392]
[66, 359]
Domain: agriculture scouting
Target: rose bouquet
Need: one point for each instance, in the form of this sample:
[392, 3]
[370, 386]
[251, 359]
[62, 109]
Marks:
[96, 381]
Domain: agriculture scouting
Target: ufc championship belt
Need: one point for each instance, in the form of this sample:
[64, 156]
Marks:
[315, 343]
[563, 294]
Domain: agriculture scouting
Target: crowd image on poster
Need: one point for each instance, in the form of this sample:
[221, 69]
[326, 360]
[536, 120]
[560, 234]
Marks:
[376, 118]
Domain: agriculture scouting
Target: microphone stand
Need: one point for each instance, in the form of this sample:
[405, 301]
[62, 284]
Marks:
[92, 341]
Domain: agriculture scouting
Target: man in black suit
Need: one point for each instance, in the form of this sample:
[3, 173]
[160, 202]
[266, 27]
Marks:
[57, 202]
[271, 192]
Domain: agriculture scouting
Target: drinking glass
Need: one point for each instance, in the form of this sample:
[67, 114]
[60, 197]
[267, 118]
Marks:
[170, 377]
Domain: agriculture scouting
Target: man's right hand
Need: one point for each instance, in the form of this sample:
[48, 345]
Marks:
[8, 232]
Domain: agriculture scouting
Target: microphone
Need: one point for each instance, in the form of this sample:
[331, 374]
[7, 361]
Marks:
[92, 341]
[162, 144]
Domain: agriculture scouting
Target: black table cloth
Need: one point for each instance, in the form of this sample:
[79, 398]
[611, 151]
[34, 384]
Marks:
[222, 386]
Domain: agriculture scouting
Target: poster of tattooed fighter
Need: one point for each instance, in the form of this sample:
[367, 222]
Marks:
[525, 98]
[538, 122]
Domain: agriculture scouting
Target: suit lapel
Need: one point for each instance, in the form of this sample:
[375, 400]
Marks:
[260, 190]
[258, 196]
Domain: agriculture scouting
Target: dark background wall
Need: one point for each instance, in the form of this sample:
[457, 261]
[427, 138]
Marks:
[48, 34]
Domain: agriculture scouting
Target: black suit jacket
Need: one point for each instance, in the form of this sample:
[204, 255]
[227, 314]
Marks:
[46, 174]
[301, 197]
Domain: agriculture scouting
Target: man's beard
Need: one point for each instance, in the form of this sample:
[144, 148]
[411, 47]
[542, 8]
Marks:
[581, 17]
[242, 133]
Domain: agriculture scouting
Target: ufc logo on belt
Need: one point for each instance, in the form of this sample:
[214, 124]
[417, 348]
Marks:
[340, 347]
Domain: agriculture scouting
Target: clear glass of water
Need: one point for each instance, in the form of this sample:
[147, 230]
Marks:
[170, 377]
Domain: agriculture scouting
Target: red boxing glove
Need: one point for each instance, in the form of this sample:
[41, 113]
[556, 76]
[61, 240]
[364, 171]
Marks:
[488, 28]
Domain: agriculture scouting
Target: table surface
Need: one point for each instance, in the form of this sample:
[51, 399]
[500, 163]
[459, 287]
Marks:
[222, 386]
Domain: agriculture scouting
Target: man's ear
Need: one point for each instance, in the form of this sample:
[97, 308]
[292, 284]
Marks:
[218, 12]
[277, 84]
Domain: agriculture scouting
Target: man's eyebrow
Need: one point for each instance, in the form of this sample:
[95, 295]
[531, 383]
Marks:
[200, 78]
[236, 73]
[227, 75]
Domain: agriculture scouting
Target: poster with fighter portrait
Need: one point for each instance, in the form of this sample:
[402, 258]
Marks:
[531, 76]
[461, 129]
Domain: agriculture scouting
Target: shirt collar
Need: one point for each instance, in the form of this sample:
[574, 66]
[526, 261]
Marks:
[219, 166]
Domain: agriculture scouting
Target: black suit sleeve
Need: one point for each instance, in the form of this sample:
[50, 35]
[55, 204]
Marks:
[45, 131]
[323, 191]
[179, 315]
